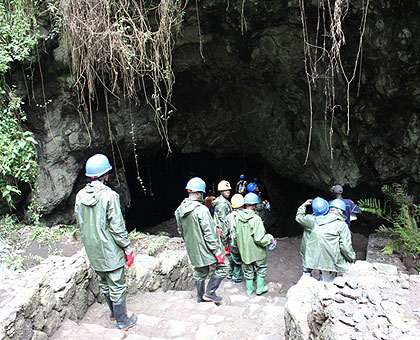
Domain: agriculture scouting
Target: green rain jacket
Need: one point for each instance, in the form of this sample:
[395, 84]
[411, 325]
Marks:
[102, 227]
[196, 227]
[306, 220]
[231, 219]
[222, 208]
[250, 237]
[328, 246]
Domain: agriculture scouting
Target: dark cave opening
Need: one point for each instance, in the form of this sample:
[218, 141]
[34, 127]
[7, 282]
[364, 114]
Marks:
[164, 178]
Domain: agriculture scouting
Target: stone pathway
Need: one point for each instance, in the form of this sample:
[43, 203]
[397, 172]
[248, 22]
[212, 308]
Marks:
[177, 315]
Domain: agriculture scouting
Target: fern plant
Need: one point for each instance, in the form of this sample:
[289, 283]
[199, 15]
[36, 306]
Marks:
[401, 216]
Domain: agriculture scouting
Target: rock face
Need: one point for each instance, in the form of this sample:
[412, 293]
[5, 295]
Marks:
[34, 304]
[372, 301]
[247, 97]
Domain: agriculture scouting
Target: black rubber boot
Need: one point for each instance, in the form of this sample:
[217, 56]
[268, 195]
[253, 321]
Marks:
[200, 290]
[109, 302]
[210, 294]
[120, 312]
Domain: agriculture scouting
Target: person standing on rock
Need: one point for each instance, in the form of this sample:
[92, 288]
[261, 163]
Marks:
[237, 201]
[328, 247]
[320, 207]
[222, 208]
[250, 238]
[203, 243]
[351, 208]
[105, 238]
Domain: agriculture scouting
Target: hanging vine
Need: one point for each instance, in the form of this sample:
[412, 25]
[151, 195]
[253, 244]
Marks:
[323, 60]
[123, 45]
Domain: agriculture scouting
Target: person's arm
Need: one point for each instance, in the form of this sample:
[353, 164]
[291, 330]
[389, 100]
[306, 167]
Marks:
[117, 223]
[209, 230]
[346, 247]
[260, 237]
[305, 220]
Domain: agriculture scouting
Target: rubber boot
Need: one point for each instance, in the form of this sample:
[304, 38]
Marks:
[109, 302]
[249, 287]
[210, 294]
[261, 289]
[120, 312]
[200, 290]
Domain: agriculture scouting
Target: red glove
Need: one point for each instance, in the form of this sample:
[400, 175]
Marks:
[219, 231]
[227, 250]
[130, 258]
[220, 257]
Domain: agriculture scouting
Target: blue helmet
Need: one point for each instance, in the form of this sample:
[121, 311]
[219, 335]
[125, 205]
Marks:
[196, 184]
[338, 203]
[319, 206]
[251, 198]
[251, 186]
[242, 176]
[97, 165]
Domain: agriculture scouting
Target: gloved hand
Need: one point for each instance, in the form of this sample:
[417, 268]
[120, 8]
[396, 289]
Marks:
[219, 231]
[267, 205]
[130, 258]
[227, 250]
[220, 257]
[273, 244]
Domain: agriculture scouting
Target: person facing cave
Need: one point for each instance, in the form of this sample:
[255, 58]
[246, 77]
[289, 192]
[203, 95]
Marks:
[202, 241]
[105, 238]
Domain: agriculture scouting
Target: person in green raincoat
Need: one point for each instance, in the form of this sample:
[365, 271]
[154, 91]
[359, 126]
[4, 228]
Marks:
[320, 207]
[203, 243]
[222, 208]
[328, 247]
[251, 239]
[104, 235]
[236, 263]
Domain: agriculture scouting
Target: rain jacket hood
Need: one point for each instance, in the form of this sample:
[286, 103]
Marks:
[188, 206]
[91, 193]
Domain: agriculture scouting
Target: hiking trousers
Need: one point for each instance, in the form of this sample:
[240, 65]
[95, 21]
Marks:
[113, 284]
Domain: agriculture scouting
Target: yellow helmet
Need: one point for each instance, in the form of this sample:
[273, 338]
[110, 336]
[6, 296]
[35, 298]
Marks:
[237, 201]
[223, 185]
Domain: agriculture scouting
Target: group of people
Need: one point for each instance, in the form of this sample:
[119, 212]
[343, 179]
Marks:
[233, 238]
[227, 234]
[326, 242]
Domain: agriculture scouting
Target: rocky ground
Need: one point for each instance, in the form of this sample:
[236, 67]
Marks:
[177, 315]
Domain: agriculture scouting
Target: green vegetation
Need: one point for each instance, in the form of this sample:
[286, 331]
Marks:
[149, 244]
[18, 36]
[401, 217]
[16, 238]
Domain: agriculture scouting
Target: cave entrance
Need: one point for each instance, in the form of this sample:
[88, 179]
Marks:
[164, 179]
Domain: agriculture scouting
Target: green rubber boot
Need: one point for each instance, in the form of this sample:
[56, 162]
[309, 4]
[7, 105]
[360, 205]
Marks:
[249, 287]
[261, 289]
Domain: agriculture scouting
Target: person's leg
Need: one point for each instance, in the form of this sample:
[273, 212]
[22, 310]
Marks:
[237, 275]
[200, 274]
[249, 277]
[328, 276]
[117, 292]
[104, 289]
[262, 268]
[221, 271]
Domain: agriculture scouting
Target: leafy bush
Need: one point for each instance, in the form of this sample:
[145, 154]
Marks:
[18, 37]
[401, 217]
